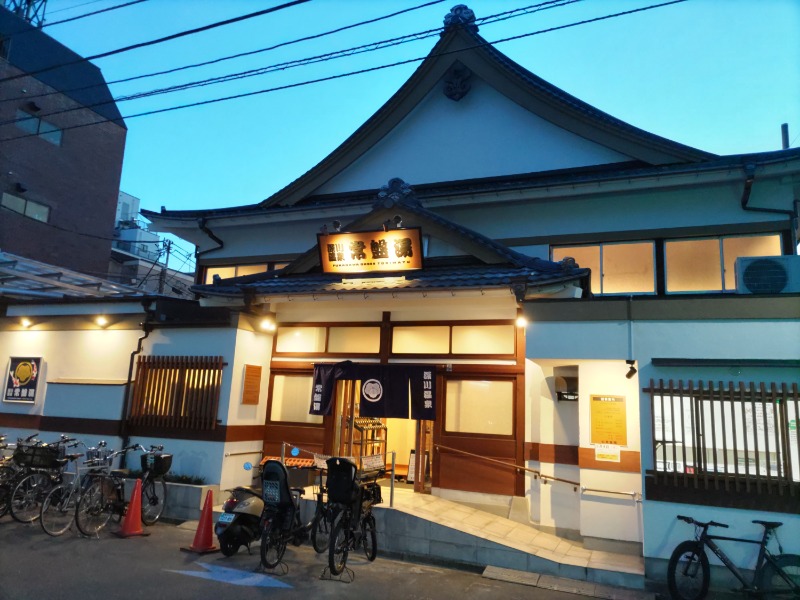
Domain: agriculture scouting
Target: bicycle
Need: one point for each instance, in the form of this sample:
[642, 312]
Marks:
[323, 520]
[774, 576]
[354, 498]
[42, 469]
[104, 498]
[281, 518]
[59, 506]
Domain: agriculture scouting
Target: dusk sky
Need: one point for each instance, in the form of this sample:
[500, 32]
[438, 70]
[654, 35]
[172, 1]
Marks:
[718, 75]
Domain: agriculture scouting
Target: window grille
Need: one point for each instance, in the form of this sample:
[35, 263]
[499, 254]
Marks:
[733, 440]
[179, 392]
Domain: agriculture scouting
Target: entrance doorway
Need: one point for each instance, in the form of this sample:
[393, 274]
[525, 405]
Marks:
[350, 434]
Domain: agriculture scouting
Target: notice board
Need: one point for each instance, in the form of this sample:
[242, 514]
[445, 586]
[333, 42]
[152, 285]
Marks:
[609, 420]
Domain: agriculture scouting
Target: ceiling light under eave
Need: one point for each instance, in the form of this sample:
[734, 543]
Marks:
[101, 321]
[25, 322]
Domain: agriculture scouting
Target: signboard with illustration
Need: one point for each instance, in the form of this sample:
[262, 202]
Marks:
[370, 251]
[22, 379]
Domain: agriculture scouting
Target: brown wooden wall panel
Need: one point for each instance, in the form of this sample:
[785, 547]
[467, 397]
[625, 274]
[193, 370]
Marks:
[552, 453]
[630, 462]
[252, 384]
[484, 446]
[457, 472]
[305, 437]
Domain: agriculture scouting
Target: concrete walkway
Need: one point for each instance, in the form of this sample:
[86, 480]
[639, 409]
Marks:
[428, 527]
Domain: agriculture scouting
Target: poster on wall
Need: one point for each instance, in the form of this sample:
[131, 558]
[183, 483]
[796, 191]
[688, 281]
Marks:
[609, 420]
[22, 379]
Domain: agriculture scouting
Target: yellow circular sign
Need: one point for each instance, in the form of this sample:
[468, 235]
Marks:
[24, 372]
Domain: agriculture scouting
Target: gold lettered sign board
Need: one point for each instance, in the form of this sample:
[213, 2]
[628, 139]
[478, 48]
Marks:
[609, 420]
[369, 251]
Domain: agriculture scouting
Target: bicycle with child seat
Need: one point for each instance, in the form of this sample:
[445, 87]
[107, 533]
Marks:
[104, 498]
[353, 496]
[323, 520]
[774, 576]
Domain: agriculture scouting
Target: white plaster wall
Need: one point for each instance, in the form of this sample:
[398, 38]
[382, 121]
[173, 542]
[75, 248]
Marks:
[483, 135]
[100, 355]
[573, 341]
[613, 516]
[665, 531]
[252, 348]
[234, 458]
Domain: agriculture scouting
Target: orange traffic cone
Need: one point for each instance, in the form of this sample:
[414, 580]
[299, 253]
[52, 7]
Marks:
[202, 539]
[132, 525]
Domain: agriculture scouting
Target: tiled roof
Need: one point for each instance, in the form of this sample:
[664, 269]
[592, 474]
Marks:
[432, 278]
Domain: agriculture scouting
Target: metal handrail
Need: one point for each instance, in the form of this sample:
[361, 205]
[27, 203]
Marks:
[537, 474]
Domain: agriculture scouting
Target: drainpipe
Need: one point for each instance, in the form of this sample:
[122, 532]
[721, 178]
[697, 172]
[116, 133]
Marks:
[201, 224]
[147, 327]
[750, 176]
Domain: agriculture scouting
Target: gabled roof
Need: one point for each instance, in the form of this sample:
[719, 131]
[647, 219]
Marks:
[462, 44]
[31, 50]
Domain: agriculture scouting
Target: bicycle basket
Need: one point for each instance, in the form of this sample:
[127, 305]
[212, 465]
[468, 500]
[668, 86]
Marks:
[98, 456]
[158, 464]
[38, 457]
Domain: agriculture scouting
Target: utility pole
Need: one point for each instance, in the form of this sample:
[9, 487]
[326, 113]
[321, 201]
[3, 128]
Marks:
[162, 278]
[30, 10]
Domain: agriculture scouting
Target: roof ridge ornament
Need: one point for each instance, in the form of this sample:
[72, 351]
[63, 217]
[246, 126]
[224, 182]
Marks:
[396, 192]
[460, 16]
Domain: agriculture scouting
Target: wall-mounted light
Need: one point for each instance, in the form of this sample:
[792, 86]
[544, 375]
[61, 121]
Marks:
[101, 321]
[337, 225]
[267, 324]
[398, 221]
[631, 369]
[25, 322]
[522, 321]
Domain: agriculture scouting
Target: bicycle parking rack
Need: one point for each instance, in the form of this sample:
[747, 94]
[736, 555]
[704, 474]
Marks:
[281, 566]
[347, 575]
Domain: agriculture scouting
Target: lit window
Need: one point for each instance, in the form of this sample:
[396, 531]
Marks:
[291, 399]
[707, 265]
[621, 268]
[29, 208]
[36, 126]
[479, 407]
[233, 271]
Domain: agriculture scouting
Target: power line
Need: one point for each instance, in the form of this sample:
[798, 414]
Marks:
[233, 56]
[362, 71]
[371, 47]
[75, 6]
[159, 40]
[91, 14]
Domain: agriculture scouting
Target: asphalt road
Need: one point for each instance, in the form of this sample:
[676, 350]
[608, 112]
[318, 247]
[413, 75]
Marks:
[35, 566]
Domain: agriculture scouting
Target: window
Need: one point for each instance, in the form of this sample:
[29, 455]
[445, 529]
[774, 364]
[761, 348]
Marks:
[179, 392]
[229, 271]
[291, 399]
[29, 208]
[473, 406]
[707, 265]
[37, 126]
[620, 268]
[301, 339]
[729, 442]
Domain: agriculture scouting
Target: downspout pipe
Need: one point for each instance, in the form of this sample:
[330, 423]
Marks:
[147, 327]
[202, 225]
[750, 176]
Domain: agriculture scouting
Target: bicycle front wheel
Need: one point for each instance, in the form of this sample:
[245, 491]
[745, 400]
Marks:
[94, 511]
[273, 545]
[370, 537]
[321, 529]
[58, 510]
[688, 572]
[339, 546]
[27, 497]
[773, 584]
[154, 499]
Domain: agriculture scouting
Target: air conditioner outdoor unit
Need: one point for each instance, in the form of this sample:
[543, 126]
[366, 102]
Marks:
[767, 274]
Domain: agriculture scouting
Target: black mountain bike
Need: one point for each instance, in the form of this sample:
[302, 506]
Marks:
[774, 576]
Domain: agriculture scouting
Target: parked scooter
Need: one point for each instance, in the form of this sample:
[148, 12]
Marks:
[240, 524]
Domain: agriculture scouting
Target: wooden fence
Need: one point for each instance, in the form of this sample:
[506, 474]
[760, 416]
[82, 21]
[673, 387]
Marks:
[179, 392]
